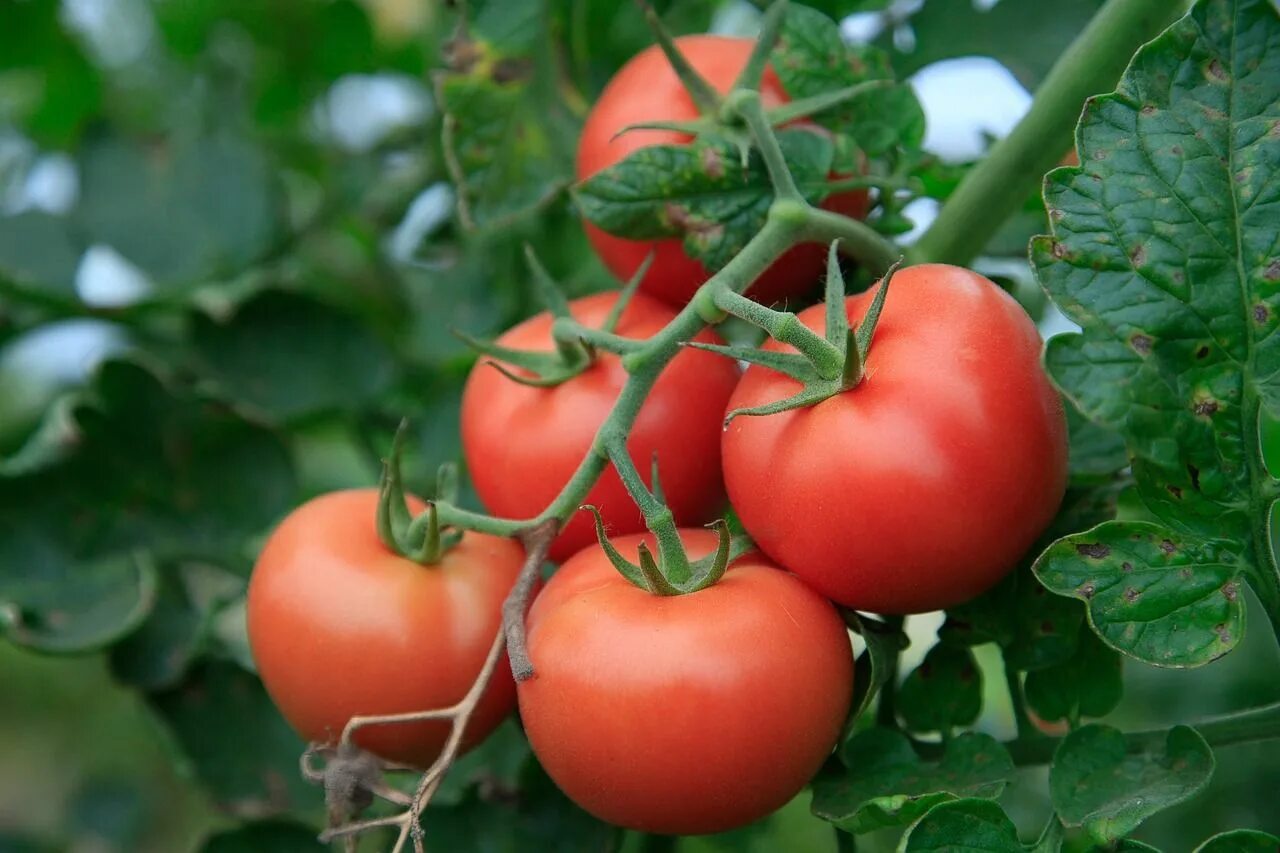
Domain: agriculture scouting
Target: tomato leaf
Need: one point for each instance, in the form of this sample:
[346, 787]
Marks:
[975, 825]
[1241, 841]
[240, 747]
[875, 666]
[275, 836]
[1163, 251]
[1087, 685]
[1097, 452]
[1097, 783]
[699, 192]
[943, 692]
[284, 357]
[886, 784]
[536, 816]
[1164, 598]
[811, 58]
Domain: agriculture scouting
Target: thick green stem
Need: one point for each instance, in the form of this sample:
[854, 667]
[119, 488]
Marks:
[747, 105]
[857, 239]
[566, 330]
[1244, 727]
[1013, 169]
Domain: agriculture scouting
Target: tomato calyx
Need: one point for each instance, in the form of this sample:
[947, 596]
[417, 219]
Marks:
[423, 539]
[827, 364]
[671, 572]
[576, 344]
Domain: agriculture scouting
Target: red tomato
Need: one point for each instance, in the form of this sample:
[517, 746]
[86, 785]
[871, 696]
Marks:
[922, 486]
[647, 89]
[340, 626]
[522, 444]
[685, 714]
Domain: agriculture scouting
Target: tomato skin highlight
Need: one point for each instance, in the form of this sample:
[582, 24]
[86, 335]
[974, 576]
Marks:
[685, 714]
[341, 626]
[922, 486]
[522, 444]
[646, 89]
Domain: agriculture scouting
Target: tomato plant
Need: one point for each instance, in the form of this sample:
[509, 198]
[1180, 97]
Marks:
[235, 239]
[342, 626]
[637, 708]
[523, 442]
[953, 456]
[646, 89]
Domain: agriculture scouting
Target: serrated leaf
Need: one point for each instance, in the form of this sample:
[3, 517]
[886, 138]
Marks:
[699, 192]
[812, 58]
[1163, 252]
[1098, 784]
[1166, 599]
[285, 357]
[976, 826]
[1087, 685]
[1241, 841]
[265, 836]
[943, 692]
[886, 784]
[241, 749]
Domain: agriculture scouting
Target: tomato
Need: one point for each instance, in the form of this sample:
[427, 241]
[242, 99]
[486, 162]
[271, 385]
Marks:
[522, 444]
[339, 626]
[921, 486]
[646, 89]
[684, 714]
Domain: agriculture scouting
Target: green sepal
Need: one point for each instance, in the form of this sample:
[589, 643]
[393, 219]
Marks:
[625, 295]
[770, 29]
[703, 94]
[806, 107]
[393, 517]
[693, 128]
[650, 573]
[810, 395]
[796, 366]
[548, 288]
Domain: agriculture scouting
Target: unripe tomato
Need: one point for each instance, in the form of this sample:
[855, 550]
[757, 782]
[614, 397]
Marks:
[684, 714]
[646, 89]
[923, 485]
[340, 626]
[522, 444]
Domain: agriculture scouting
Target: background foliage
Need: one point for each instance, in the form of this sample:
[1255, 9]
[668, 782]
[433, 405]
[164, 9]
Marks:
[234, 237]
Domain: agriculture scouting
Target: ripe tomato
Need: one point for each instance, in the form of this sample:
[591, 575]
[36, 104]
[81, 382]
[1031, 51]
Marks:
[922, 486]
[647, 89]
[685, 714]
[340, 626]
[522, 444]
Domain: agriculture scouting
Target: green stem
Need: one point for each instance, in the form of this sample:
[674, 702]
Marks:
[1243, 727]
[857, 239]
[1026, 729]
[747, 105]
[567, 330]
[1015, 166]
[886, 710]
[846, 842]
[785, 327]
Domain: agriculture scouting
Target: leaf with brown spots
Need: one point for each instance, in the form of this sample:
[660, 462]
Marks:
[1097, 783]
[943, 692]
[1167, 600]
[1162, 251]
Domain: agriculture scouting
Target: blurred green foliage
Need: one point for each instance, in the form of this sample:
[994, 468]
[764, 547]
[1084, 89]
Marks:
[234, 237]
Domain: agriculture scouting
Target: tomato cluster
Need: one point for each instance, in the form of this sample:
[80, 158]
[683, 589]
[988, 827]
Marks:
[912, 490]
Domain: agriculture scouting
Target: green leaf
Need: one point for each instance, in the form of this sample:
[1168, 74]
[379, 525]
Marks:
[1022, 35]
[811, 58]
[943, 692]
[1098, 784]
[184, 210]
[48, 87]
[286, 357]
[537, 817]
[265, 836]
[875, 666]
[1163, 598]
[240, 747]
[38, 253]
[1097, 452]
[157, 655]
[976, 826]
[1163, 251]
[48, 603]
[699, 192]
[1241, 841]
[886, 784]
[1088, 685]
